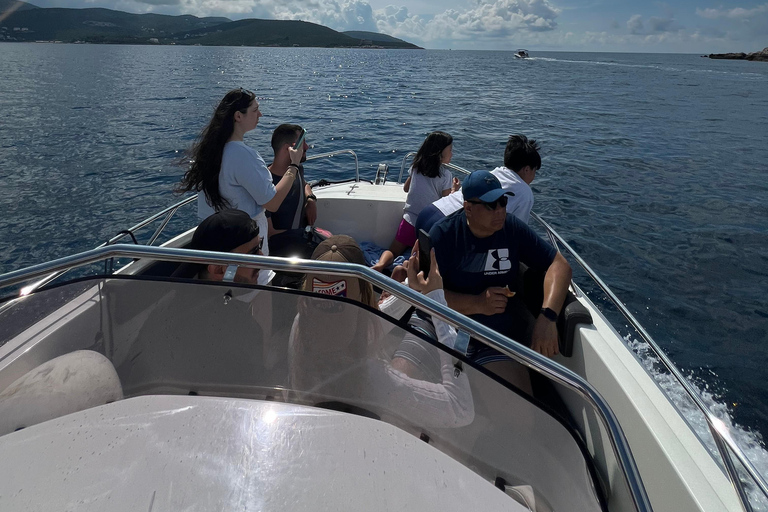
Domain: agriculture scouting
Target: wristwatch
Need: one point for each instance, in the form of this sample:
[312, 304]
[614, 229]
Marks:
[312, 197]
[549, 314]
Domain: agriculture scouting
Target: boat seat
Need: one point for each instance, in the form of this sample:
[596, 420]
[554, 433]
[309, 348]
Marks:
[69, 383]
[573, 314]
[531, 286]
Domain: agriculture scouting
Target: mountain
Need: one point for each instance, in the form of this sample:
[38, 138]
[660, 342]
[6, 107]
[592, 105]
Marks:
[378, 38]
[15, 5]
[96, 25]
[269, 33]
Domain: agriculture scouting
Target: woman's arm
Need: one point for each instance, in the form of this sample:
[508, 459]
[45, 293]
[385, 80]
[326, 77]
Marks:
[448, 403]
[286, 182]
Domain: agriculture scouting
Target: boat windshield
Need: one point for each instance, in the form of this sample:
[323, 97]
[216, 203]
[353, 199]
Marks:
[229, 340]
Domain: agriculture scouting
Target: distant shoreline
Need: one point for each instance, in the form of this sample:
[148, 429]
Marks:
[761, 56]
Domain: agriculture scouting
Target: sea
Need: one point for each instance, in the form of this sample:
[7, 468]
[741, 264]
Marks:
[655, 166]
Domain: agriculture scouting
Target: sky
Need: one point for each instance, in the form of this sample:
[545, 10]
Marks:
[674, 26]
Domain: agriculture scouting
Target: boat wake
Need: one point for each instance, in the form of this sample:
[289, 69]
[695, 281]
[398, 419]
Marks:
[673, 69]
[751, 443]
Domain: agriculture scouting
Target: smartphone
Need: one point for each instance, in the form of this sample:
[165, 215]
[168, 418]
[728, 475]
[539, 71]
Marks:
[425, 248]
[300, 142]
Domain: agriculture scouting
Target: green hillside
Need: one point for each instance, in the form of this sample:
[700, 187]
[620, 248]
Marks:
[17, 5]
[98, 25]
[270, 33]
[380, 39]
[30, 23]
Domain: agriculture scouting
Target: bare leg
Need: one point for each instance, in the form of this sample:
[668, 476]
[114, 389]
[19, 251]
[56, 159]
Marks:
[514, 373]
[388, 256]
[399, 274]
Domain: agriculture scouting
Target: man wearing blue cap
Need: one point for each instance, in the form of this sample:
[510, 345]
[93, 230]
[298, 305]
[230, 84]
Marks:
[479, 249]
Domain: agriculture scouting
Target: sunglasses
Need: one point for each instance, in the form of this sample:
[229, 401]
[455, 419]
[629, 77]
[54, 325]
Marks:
[500, 202]
[257, 248]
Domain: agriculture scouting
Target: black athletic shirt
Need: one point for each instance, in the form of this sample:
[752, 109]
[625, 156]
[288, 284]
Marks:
[284, 217]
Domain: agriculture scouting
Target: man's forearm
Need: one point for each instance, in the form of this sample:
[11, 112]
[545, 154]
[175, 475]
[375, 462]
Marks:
[556, 283]
[466, 304]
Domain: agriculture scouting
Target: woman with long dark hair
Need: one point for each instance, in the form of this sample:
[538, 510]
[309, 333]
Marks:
[428, 182]
[228, 172]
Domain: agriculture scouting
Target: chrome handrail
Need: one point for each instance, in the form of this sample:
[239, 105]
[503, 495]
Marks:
[412, 153]
[717, 428]
[516, 351]
[168, 212]
[402, 166]
[339, 152]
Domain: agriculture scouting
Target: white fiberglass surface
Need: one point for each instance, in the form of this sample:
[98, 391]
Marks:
[282, 346]
[203, 453]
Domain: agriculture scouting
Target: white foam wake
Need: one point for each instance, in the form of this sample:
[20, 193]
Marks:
[750, 443]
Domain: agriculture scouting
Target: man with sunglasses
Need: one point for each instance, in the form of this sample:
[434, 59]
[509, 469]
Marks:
[479, 249]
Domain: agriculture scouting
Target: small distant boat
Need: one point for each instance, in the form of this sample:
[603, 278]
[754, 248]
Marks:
[522, 54]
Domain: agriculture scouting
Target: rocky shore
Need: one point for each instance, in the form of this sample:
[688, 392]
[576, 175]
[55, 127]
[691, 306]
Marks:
[758, 56]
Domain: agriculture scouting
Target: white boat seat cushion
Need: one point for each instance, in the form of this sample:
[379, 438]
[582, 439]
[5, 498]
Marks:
[69, 383]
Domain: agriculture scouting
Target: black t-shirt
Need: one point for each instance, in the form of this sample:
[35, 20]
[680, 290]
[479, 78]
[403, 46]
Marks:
[292, 206]
[470, 265]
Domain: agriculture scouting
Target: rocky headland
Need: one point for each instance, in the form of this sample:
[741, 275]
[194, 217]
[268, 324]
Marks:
[758, 56]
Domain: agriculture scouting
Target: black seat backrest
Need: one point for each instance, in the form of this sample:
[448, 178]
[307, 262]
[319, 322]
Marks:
[531, 286]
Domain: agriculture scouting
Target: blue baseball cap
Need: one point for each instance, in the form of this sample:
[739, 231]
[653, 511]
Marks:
[484, 186]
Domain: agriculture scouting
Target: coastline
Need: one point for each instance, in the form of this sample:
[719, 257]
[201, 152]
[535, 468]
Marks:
[761, 56]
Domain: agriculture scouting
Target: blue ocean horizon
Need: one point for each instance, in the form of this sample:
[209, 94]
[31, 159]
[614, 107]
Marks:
[654, 165]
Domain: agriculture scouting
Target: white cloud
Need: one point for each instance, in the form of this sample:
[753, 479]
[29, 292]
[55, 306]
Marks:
[655, 25]
[737, 13]
[349, 15]
[483, 20]
[635, 24]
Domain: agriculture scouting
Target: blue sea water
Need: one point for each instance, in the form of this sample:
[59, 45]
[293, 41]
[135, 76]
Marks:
[654, 165]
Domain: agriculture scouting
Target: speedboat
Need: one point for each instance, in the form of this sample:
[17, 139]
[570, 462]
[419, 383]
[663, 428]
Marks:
[124, 388]
[521, 54]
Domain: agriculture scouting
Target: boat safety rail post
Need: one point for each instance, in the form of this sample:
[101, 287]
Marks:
[168, 213]
[516, 351]
[340, 152]
[453, 167]
[724, 441]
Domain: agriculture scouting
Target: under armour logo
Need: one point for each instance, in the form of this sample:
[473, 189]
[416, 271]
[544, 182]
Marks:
[498, 260]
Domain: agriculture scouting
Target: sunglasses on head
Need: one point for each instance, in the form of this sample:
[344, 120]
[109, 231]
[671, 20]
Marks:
[500, 202]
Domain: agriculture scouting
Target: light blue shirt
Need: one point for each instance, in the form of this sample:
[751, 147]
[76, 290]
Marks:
[244, 181]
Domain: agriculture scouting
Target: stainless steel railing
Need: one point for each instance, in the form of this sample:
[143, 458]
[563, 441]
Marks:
[412, 153]
[168, 213]
[516, 351]
[720, 433]
[336, 153]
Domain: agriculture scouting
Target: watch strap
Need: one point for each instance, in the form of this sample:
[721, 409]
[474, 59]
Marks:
[549, 314]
